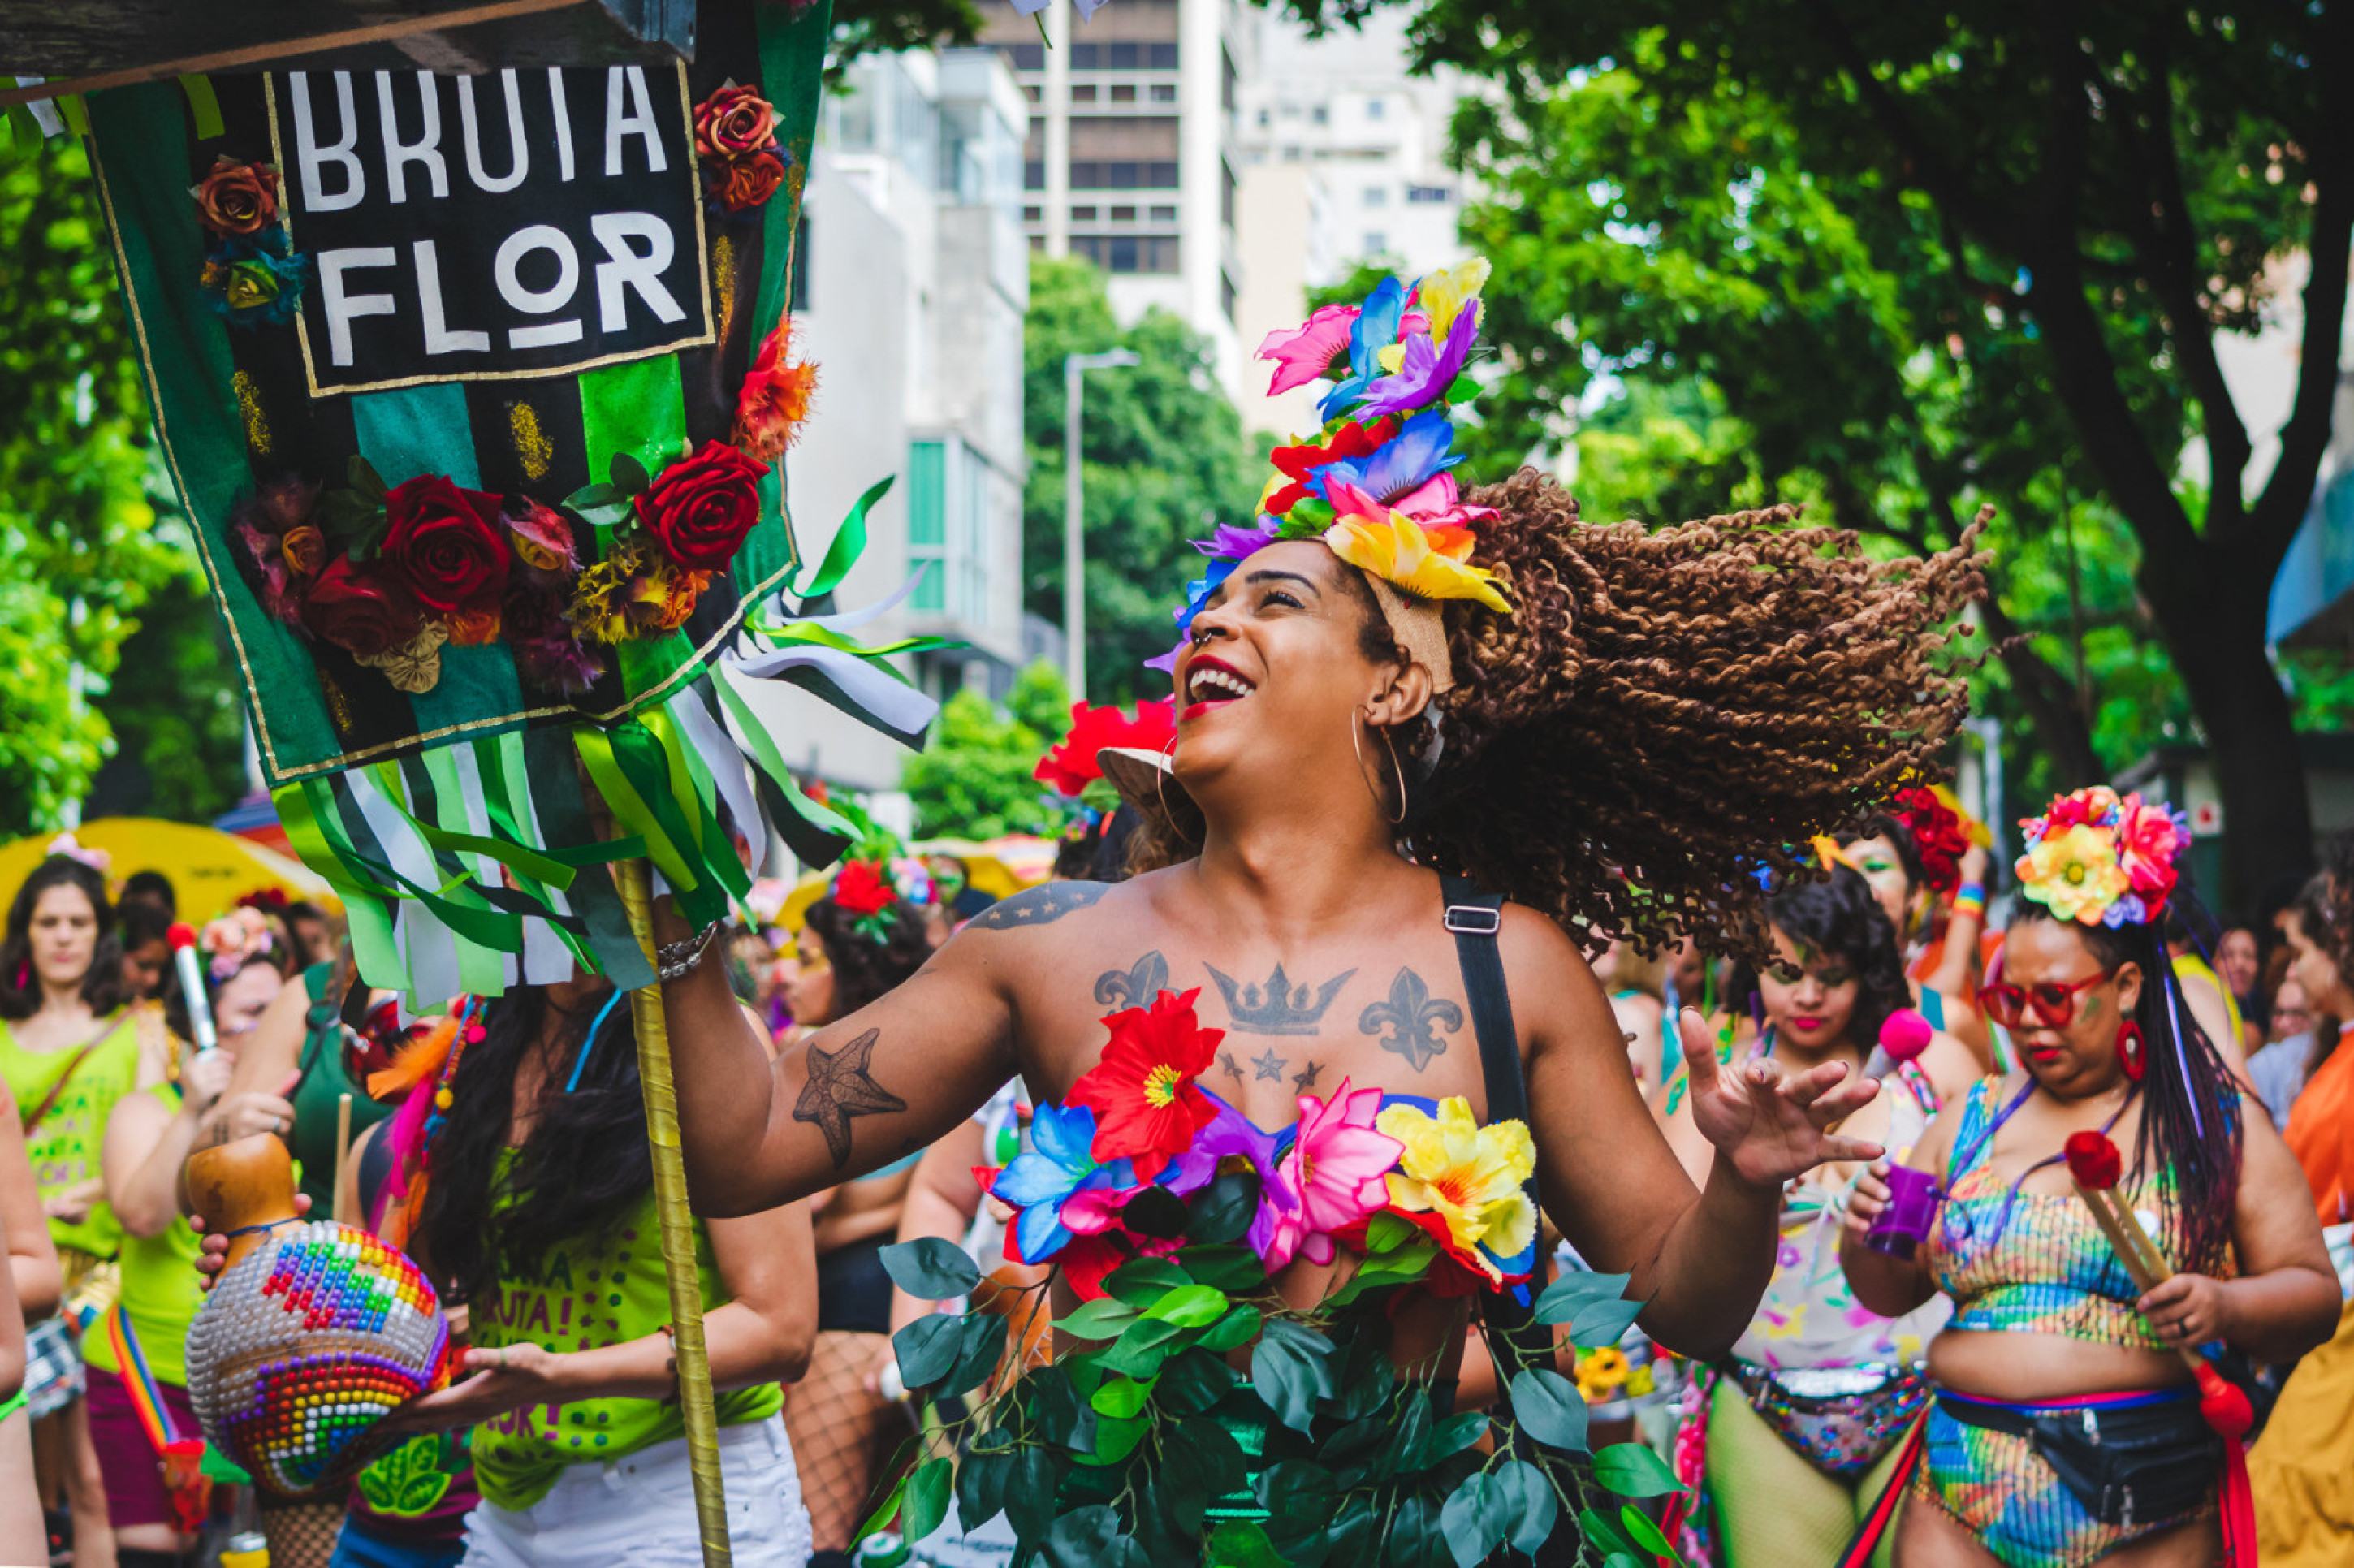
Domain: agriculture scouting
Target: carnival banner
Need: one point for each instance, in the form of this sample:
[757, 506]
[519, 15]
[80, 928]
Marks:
[476, 390]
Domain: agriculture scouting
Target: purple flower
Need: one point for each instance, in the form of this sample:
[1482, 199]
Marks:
[1234, 1137]
[1427, 373]
[1408, 462]
[1233, 543]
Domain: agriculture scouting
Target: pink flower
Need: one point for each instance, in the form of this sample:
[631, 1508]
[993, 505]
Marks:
[1302, 354]
[2146, 844]
[1337, 1166]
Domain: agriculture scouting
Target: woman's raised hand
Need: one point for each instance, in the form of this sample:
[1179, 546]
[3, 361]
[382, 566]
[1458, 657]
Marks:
[1769, 1124]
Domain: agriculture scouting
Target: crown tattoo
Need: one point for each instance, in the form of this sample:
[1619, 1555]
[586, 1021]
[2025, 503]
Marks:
[1277, 1007]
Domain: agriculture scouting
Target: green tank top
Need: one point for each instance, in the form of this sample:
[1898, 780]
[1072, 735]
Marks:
[161, 1292]
[325, 1081]
[600, 1290]
[64, 1148]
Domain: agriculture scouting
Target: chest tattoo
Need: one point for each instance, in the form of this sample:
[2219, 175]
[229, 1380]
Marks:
[1277, 1006]
[1269, 1066]
[1135, 986]
[1410, 1020]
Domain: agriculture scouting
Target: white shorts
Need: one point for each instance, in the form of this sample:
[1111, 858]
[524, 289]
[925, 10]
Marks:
[639, 1509]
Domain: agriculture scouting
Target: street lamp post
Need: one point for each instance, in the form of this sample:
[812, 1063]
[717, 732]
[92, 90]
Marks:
[1075, 596]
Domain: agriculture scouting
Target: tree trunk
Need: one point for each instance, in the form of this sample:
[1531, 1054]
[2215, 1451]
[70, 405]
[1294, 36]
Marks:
[2211, 611]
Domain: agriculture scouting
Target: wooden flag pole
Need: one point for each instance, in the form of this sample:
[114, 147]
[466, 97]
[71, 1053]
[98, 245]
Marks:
[677, 1228]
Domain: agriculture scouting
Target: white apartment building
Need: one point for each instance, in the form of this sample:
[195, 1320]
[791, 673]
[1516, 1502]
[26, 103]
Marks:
[1129, 156]
[910, 280]
[1343, 160]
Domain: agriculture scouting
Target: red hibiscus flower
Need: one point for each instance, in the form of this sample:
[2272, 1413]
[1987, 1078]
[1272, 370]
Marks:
[1070, 764]
[1938, 833]
[1142, 1089]
[2093, 1160]
[861, 889]
[1351, 440]
[448, 545]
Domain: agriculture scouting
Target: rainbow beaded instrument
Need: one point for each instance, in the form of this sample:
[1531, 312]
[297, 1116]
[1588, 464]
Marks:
[314, 1332]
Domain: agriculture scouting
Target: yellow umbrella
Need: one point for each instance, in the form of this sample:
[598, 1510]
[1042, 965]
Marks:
[211, 870]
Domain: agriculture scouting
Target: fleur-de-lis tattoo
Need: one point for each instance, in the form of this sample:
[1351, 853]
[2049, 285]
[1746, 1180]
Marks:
[1135, 986]
[1413, 1017]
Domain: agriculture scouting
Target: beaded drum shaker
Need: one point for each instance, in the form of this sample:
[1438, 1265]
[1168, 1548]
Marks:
[313, 1333]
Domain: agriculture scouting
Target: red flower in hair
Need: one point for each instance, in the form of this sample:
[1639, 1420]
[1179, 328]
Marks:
[1351, 440]
[1143, 1091]
[861, 889]
[1070, 764]
[1939, 833]
[2094, 1160]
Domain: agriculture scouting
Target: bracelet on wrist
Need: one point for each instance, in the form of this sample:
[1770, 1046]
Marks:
[1971, 892]
[677, 959]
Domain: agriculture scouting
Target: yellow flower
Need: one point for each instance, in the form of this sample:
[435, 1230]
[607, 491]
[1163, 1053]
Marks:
[1403, 553]
[2074, 874]
[1607, 1365]
[1443, 294]
[1392, 358]
[1469, 1175]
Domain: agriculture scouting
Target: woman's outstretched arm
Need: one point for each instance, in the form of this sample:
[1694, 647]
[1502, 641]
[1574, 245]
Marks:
[874, 1087]
[1699, 1257]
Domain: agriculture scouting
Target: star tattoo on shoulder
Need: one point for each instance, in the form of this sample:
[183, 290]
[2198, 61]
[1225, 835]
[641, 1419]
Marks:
[1041, 906]
[840, 1088]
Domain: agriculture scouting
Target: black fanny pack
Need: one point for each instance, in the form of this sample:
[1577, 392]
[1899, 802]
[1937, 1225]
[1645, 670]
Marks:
[2127, 1463]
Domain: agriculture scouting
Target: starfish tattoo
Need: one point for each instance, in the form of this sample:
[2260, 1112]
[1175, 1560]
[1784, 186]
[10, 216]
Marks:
[1267, 1064]
[838, 1088]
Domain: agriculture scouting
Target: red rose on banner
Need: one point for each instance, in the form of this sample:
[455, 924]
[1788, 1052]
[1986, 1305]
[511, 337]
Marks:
[364, 613]
[699, 508]
[449, 543]
[747, 181]
[237, 198]
[734, 120]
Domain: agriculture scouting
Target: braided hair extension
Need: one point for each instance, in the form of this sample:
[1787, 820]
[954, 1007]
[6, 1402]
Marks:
[1664, 712]
[2190, 1123]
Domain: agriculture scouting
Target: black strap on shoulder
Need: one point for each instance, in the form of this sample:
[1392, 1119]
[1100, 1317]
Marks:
[1514, 1336]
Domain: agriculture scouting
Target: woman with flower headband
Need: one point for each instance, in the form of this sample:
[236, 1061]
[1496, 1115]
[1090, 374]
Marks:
[861, 940]
[1791, 1439]
[1334, 1075]
[2066, 1427]
[1918, 852]
[70, 1046]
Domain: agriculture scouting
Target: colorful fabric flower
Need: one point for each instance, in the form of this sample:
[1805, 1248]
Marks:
[734, 121]
[775, 397]
[1429, 563]
[229, 940]
[1468, 1176]
[1233, 1142]
[1425, 372]
[1144, 1089]
[1333, 1172]
[1376, 328]
[1444, 293]
[860, 889]
[236, 197]
[1233, 543]
[2148, 844]
[541, 537]
[254, 279]
[1303, 460]
[1045, 1178]
[1406, 466]
[1940, 835]
[2074, 871]
[1306, 353]
[1070, 765]
[743, 184]
[1198, 592]
[449, 543]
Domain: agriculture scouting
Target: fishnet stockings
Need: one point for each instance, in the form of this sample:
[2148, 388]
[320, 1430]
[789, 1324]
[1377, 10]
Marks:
[843, 1434]
[301, 1534]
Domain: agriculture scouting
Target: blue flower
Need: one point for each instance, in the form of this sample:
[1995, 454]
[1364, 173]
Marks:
[1418, 453]
[1057, 1166]
[1376, 328]
[1198, 591]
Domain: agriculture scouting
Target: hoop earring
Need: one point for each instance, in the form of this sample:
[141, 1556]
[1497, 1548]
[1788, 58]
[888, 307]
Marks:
[1161, 789]
[1357, 748]
[2133, 1051]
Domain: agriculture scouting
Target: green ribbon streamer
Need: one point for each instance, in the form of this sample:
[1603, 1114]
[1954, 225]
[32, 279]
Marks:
[365, 909]
[76, 112]
[560, 806]
[630, 809]
[848, 543]
[204, 106]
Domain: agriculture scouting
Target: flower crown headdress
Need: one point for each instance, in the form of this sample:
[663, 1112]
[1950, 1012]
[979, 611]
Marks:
[1376, 482]
[66, 844]
[2099, 860]
[1942, 832]
[230, 940]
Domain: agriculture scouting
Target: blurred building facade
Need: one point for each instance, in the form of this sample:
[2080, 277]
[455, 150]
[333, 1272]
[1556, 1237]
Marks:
[1343, 159]
[1129, 157]
[911, 276]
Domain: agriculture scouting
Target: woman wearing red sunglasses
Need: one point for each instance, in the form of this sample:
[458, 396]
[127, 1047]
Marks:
[2066, 1427]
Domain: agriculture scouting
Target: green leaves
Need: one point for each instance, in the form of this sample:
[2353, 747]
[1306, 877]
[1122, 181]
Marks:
[925, 1500]
[629, 475]
[1528, 1501]
[1632, 1471]
[1102, 1319]
[1091, 1538]
[1145, 1281]
[1189, 1307]
[1223, 1212]
[1475, 1520]
[928, 1348]
[1592, 1305]
[1548, 1408]
[1233, 1331]
[1141, 1347]
[1290, 1372]
[931, 1268]
[1122, 1397]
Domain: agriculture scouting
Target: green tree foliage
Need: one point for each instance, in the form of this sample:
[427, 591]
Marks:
[1972, 252]
[1163, 461]
[81, 551]
[881, 26]
[972, 780]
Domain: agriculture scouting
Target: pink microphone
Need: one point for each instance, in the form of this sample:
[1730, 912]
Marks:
[191, 987]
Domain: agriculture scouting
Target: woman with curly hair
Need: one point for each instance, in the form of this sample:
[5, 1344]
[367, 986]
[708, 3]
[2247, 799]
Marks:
[1430, 744]
[1789, 1438]
[856, 944]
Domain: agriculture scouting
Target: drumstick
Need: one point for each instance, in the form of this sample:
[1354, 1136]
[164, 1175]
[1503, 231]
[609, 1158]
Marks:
[2095, 1163]
[342, 1137]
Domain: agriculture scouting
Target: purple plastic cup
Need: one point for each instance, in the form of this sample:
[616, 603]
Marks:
[1900, 1228]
